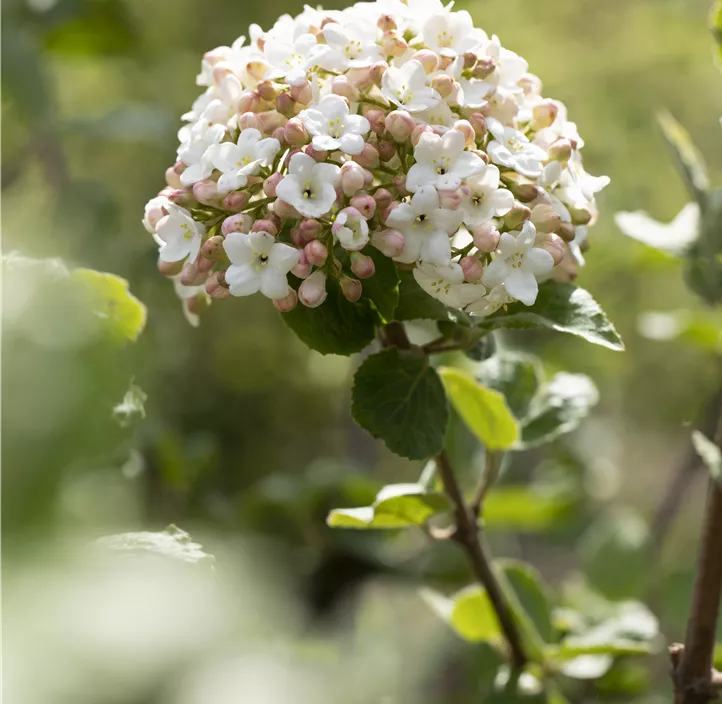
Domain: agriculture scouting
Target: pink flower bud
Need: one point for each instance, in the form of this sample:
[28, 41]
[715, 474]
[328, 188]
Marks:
[377, 71]
[445, 62]
[284, 305]
[387, 150]
[172, 178]
[267, 90]
[369, 157]
[318, 154]
[428, 59]
[236, 201]
[257, 69]
[280, 134]
[316, 252]
[270, 121]
[309, 229]
[472, 268]
[295, 235]
[393, 44]
[530, 84]
[302, 93]
[249, 120]
[368, 178]
[383, 198]
[450, 200]
[581, 216]
[206, 192]
[388, 242]
[203, 265]
[352, 177]
[543, 114]
[190, 276]
[214, 288]
[400, 125]
[197, 304]
[181, 196]
[465, 127]
[341, 86]
[561, 150]
[351, 288]
[567, 231]
[443, 84]
[303, 269]
[470, 59]
[386, 23]
[385, 212]
[517, 216]
[312, 291]
[295, 133]
[269, 185]
[484, 67]
[237, 223]
[212, 248]
[376, 120]
[522, 188]
[285, 104]
[399, 183]
[284, 210]
[418, 131]
[360, 78]
[265, 226]
[251, 101]
[362, 266]
[553, 244]
[545, 218]
[478, 122]
[179, 167]
[169, 268]
[486, 237]
[365, 204]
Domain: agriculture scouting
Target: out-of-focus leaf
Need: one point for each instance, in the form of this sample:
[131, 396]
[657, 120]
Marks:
[688, 158]
[396, 506]
[383, 287]
[703, 271]
[132, 406]
[336, 327]
[24, 76]
[709, 453]
[630, 679]
[560, 307]
[702, 328]
[715, 24]
[416, 304]
[558, 408]
[131, 123]
[674, 237]
[483, 410]
[587, 667]
[516, 375]
[525, 508]
[399, 398]
[531, 594]
[172, 543]
[98, 27]
[473, 616]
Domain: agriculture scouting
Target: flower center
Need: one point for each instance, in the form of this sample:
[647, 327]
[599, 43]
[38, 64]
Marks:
[445, 39]
[260, 261]
[353, 49]
[335, 127]
[440, 286]
[516, 260]
[442, 165]
[308, 190]
[187, 232]
[477, 198]
[244, 160]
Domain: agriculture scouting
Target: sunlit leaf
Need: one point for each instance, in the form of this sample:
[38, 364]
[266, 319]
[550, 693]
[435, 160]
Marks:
[525, 508]
[673, 238]
[473, 616]
[516, 375]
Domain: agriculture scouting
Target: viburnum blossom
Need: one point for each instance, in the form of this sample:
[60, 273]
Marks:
[375, 130]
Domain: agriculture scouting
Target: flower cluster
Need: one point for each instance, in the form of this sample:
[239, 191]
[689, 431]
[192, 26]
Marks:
[394, 125]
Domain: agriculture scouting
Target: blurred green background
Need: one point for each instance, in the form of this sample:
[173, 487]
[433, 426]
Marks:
[248, 434]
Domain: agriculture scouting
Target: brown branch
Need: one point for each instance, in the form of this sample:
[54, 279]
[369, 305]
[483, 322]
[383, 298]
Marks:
[693, 664]
[492, 465]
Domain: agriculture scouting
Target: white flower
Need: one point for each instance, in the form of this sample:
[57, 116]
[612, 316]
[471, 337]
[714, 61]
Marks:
[440, 117]
[348, 45]
[485, 199]
[512, 149]
[517, 263]
[442, 162]
[155, 209]
[181, 234]
[238, 161]
[351, 229]
[310, 187]
[196, 154]
[258, 263]
[674, 237]
[510, 68]
[452, 33]
[406, 87]
[446, 283]
[333, 127]
[185, 293]
[289, 60]
[495, 299]
[426, 228]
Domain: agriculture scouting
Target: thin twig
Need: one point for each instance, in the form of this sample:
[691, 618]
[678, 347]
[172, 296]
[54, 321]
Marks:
[487, 479]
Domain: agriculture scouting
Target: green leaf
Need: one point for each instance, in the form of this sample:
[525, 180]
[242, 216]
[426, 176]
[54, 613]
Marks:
[517, 376]
[383, 287]
[335, 327]
[709, 453]
[473, 616]
[561, 307]
[528, 586]
[576, 646]
[558, 408]
[483, 410]
[715, 24]
[587, 667]
[122, 314]
[132, 406]
[525, 508]
[688, 158]
[172, 543]
[703, 272]
[25, 76]
[395, 506]
[416, 304]
[399, 398]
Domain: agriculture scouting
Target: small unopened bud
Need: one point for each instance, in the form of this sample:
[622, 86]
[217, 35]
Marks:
[443, 85]
[470, 59]
[400, 125]
[309, 229]
[172, 178]
[269, 185]
[212, 248]
[284, 210]
[318, 154]
[302, 93]
[257, 69]
[522, 188]
[197, 304]
[269, 121]
[386, 23]
[352, 178]
[280, 134]
[376, 120]
[206, 192]
[341, 86]
[312, 291]
[203, 265]
[295, 133]
[316, 252]
[303, 269]
[393, 44]
[478, 122]
[418, 131]
[284, 305]
[543, 115]
[472, 268]
[351, 288]
[265, 225]
[388, 242]
[385, 212]
[285, 104]
[545, 218]
[169, 268]
[530, 84]
[369, 157]
[484, 67]
[267, 90]
[553, 244]
[236, 201]
[516, 217]
[190, 276]
[581, 215]
[428, 59]
[360, 78]
[486, 237]
[450, 200]
[377, 71]
[387, 150]
[250, 102]
[214, 288]
[383, 198]
[561, 150]
[364, 204]
[566, 231]
[362, 266]
[237, 223]
[249, 120]
[466, 128]
[181, 196]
